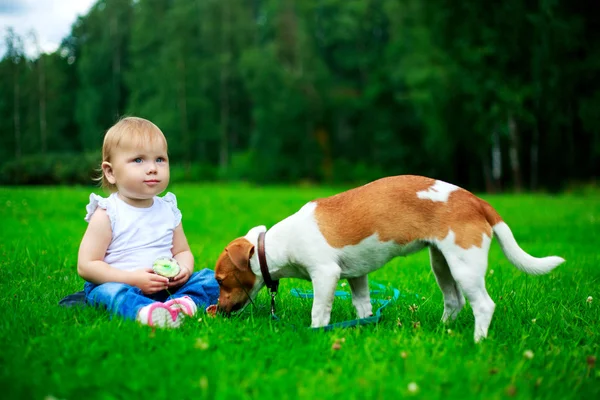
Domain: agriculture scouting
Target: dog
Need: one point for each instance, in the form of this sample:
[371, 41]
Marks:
[358, 231]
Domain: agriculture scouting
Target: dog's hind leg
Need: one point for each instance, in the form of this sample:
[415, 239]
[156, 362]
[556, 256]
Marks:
[468, 267]
[454, 300]
[361, 298]
[324, 280]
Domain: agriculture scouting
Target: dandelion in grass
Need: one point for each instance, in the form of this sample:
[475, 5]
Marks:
[589, 300]
[528, 354]
[403, 354]
[413, 387]
[203, 383]
[201, 344]
[533, 321]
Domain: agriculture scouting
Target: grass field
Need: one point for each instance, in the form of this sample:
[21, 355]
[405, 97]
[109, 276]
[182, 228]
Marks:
[543, 342]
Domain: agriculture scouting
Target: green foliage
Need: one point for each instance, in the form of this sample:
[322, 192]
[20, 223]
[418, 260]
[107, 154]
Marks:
[193, 173]
[494, 97]
[52, 352]
[51, 169]
[103, 37]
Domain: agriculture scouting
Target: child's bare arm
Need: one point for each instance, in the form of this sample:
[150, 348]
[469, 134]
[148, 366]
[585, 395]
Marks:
[91, 265]
[182, 253]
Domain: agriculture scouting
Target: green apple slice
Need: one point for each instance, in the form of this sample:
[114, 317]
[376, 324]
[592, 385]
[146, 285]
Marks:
[166, 266]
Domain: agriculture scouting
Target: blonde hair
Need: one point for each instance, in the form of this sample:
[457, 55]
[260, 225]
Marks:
[129, 131]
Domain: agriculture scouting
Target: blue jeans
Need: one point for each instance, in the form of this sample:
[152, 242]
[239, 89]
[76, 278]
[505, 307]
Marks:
[126, 301]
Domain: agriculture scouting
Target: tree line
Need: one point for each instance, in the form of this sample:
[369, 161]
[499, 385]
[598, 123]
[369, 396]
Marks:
[492, 97]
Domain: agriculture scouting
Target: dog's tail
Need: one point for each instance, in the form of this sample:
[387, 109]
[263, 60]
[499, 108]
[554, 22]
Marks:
[517, 256]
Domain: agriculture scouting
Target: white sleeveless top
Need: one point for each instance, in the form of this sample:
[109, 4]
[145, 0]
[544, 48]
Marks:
[139, 235]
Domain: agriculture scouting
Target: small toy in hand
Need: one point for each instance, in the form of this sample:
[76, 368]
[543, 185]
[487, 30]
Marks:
[167, 267]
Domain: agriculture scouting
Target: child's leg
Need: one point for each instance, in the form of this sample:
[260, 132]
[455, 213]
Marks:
[200, 291]
[130, 303]
[118, 298]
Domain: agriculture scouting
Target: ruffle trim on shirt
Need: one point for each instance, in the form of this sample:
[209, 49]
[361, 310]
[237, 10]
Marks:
[171, 200]
[95, 202]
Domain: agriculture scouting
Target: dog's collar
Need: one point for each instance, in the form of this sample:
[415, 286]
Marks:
[273, 285]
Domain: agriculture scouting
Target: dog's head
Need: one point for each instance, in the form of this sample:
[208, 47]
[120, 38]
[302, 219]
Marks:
[237, 283]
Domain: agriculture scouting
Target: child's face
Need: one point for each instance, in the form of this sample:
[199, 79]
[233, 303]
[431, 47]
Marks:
[140, 173]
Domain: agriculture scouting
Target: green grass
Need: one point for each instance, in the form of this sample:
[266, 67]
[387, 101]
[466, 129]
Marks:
[82, 353]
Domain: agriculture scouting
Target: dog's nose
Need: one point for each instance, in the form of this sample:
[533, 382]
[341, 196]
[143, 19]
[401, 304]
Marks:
[229, 308]
[223, 310]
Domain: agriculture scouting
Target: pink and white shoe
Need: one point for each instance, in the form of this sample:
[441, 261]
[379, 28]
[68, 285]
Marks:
[184, 304]
[160, 315]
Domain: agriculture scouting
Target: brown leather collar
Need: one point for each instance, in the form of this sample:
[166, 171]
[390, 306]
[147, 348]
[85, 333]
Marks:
[273, 285]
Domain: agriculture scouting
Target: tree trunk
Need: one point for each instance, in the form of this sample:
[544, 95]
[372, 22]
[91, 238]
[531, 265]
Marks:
[41, 70]
[487, 176]
[224, 95]
[16, 113]
[535, 148]
[42, 101]
[323, 139]
[224, 117]
[116, 65]
[183, 118]
[571, 151]
[496, 173]
[287, 40]
[515, 166]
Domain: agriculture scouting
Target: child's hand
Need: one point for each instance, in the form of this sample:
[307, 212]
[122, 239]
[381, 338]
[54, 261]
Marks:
[181, 278]
[148, 281]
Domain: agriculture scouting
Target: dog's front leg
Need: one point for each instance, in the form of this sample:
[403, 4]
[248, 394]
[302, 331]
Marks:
[324, 280]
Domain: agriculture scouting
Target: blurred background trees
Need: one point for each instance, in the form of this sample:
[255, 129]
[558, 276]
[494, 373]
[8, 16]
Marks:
[490, 97]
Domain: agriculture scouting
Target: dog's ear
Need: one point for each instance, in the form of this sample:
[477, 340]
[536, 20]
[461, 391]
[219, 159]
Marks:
[240, 251]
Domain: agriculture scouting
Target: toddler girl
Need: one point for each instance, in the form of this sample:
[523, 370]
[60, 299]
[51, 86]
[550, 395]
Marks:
[133, 227]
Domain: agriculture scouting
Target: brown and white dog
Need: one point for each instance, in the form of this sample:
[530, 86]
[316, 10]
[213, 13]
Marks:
[355, 232]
